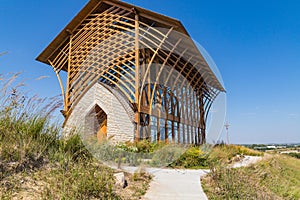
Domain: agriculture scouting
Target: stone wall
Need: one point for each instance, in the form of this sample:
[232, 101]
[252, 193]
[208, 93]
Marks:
[120, 127]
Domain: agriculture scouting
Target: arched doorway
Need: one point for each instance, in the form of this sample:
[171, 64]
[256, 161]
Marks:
[96, 123]
[101, 118]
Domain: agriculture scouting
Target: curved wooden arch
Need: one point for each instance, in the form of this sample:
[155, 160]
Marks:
[118, 48]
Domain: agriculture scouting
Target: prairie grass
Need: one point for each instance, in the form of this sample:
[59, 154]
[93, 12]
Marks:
[226, 153]
[275, 177]
[36, 162]
[200, 157]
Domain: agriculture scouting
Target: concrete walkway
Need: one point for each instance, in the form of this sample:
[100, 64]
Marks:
[171, 184]
[181, 184]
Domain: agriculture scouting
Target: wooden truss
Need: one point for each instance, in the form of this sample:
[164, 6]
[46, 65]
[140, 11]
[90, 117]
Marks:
[147, 58]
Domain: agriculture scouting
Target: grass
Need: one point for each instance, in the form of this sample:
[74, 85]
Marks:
[193, 158]
[295, 155]
[136, 153]
[275, 177]
[201, 157]
[74, 181]
[37, 163]
[174, 156]
[226, 153]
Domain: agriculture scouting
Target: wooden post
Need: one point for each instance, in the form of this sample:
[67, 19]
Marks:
[202, 118]
[69, 72]
[60, 84]
[137, 74]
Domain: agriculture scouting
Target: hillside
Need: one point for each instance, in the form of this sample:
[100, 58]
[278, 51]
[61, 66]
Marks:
[275, 177]
[37, 163]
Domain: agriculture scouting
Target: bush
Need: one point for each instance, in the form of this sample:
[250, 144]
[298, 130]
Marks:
[192, 158]
[295, 155]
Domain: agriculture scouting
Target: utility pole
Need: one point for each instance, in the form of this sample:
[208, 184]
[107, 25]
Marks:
[227, 127]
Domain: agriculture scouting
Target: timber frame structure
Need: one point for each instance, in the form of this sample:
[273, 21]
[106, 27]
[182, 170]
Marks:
[117, 44]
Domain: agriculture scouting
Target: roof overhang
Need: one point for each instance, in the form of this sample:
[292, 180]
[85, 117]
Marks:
[94, 5]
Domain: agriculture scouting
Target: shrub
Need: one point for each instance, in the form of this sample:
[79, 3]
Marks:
[192, 158]
[295, 155]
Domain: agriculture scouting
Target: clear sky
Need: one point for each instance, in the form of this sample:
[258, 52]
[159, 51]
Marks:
[255, 44]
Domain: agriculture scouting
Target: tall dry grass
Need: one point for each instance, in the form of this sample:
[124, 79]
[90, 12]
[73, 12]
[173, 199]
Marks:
[35, 162]
[275, 177]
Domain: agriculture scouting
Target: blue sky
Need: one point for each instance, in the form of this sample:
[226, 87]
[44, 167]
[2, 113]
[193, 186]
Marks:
[255, 44]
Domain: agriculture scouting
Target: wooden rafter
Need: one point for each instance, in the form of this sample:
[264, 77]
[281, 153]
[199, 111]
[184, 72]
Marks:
[116, 44]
